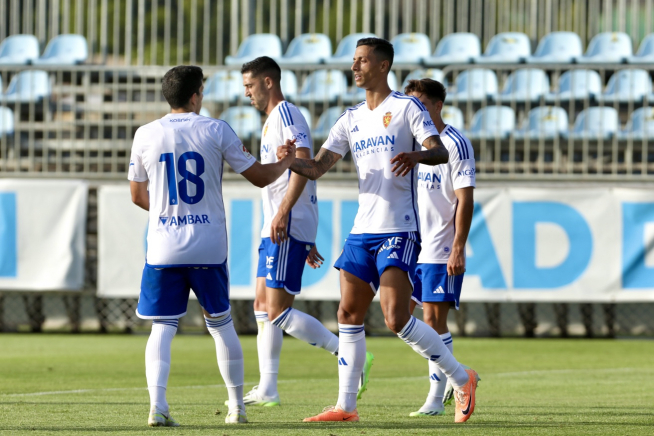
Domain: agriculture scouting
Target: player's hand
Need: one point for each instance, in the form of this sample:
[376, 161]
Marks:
[314, 259]
[287, 149]
[278, 228]
[456, 265]
[404, 163]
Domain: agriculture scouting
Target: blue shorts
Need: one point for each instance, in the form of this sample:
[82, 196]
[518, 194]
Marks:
[367, 255]
[433, 285]
[282, 265]
[165, 291]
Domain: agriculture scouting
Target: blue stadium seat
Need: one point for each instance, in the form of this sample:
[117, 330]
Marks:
[453, 116]
[628, 85]
[323, 85]
[528, 84]
[6, 121]
[66, 49]
[492, 122]
[474, 85]
[345, 50]
[205, 113]
[507, 47]
[429, 73]
[19, 50]
[595, 123]
[28, 86]
[640, 125]
[326, 121]
[410, 48]
[557, 48]
[259, 44]
[245, 120]
[645, 54]
[224, 87]
[355, 95]
[607, 47]
[577, 85]
[546, 122]
[455, 48]
[307, 49]
[307, 116]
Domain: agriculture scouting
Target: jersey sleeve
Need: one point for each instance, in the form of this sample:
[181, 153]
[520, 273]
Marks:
[462, 162]
[294, 126]
[338, 140]
[137, 171]
[237, 156]
[421, 123]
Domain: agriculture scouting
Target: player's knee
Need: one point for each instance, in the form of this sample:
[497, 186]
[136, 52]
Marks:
[346, 316]
[259, 305]
[274, 312]
[396, 322]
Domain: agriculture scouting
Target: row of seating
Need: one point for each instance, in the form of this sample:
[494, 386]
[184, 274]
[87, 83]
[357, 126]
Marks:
[454, 48]
[66, 49]
[527, 84]
[490, 122]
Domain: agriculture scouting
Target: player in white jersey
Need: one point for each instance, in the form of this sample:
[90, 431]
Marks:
[384, 134]
[175, 173]
[446, 203]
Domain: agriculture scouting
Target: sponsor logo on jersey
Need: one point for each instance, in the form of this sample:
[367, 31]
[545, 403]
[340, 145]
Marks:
[387, 119]
[391, 243]
[428, 176]
[393, 255]
[373, 142]
[468, 172]
[427, 123]
[356, 129]
[439, 290]
[299, 137]
[179, 120]
[245, 151]
[265, 129]
[269, 277]
[269, 262]
[184, 220]
[265, 149]
[446, 249]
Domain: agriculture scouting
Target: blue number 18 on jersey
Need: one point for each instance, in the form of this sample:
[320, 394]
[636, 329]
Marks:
[186, 176]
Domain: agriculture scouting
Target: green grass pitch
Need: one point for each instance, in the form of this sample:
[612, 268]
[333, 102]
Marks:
[95, 385]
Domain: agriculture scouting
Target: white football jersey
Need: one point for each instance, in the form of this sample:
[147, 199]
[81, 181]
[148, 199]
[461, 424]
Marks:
[286, 122]
[387, 204]
[182, 155]
[436, 198]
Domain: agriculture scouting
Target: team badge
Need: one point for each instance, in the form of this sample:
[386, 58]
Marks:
[265, 129]
[387, 118]
[245, 151]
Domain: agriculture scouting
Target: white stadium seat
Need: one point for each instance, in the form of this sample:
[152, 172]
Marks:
[453, 116]
[455, 48]
[307, 49]
[492, 122]
[28, 86]
[67, 49]
[259, 44]
[608, 47]
[205, 113]
[528, 84]
[544, 122]
[224, 87]
[326, 121]
[411, 48]
[507, 47]
[307, 115]
[595, 123]
[640, 125]
[245, 120]
[6, 121]
[557, 48]
[474, 85]
[645, 54]
[577, 85]
[323, 85]
[345, 50]
[428, 73]
[628, 85]
[19, 50]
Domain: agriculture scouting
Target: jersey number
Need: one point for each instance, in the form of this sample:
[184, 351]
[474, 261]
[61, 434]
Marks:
[186, 176]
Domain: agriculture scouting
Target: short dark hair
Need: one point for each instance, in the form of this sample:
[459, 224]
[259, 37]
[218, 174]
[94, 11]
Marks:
[434, 90]
[180, 83]
[263, 65]
[380, 47]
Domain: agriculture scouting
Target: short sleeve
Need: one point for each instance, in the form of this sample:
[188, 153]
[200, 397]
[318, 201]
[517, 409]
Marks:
[137, 171]
[294, 126]
[338, 140]
[422, 126]
[237, 156]
[462, 161]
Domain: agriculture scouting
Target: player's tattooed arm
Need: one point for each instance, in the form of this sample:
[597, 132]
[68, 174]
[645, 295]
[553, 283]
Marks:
[314, 168]
[435, 154]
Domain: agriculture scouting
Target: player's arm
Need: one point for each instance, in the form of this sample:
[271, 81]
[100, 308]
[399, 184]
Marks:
[140, 195]
[262, 175]
[435, 154]
[314, 168]
[456, 264]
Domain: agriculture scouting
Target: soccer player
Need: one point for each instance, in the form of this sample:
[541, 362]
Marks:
[445, 200]
[290, 211]
[384, 134]
[175, 173]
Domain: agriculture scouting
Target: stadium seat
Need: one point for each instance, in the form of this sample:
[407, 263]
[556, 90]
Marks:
[307, 49]
[27, 87]
[307, 115]
[557, 48]
[429, 73]
[323, 85]
[492, 122]
[507, 47]
[628, 85]
[411, 48]
[19, 50]
[205, 113]
[289, 84]
[595, 123]
[245, 120]
[474, 85]
[645, 54]
[326, 121]
[345, 50]
[260, 44]
[528, 84]
[544, 122]
[355, 95]
[6, 121]
[66, 49]
[455, 48]
[453, 116]
[224, 87]
[607, 47]
[577, 85]
[640, 125]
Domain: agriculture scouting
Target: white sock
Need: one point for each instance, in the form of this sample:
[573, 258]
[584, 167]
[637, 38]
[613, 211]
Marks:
[307, 328]
[157, 361]
[230, 357]
[269, 347]
[437, 380]
[425, 341]
[351, 359]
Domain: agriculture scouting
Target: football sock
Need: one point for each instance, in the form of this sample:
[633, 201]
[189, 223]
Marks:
[351, 359]
[157, 361]
[307, 328]
[425, 341]
[269, 347]
[437, 380]
[230, 357]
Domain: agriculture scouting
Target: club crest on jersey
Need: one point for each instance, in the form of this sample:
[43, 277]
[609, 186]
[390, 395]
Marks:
[265, 129]
[387, 119]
